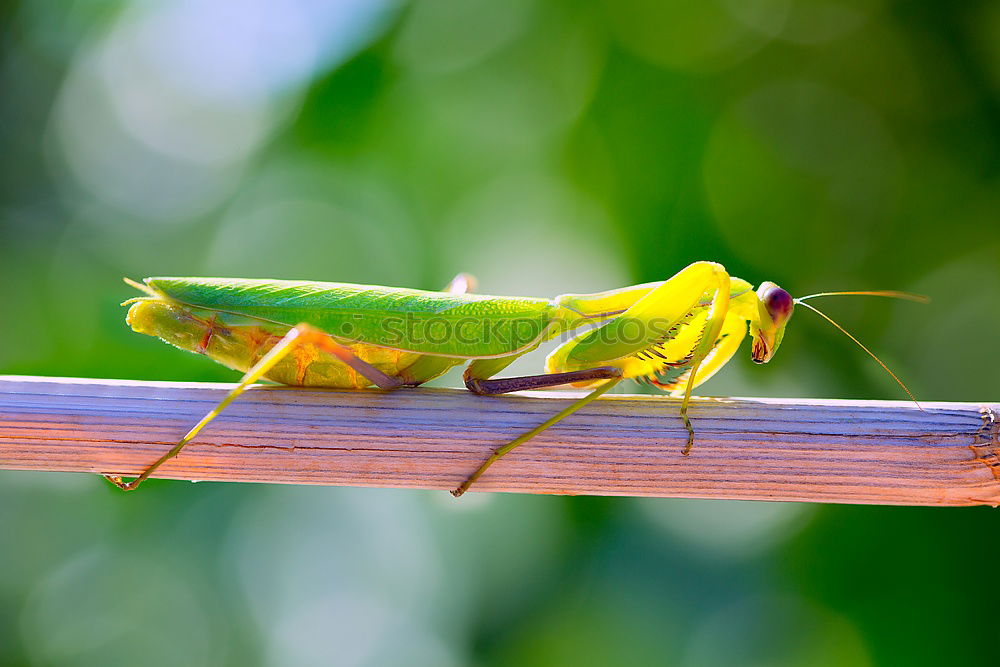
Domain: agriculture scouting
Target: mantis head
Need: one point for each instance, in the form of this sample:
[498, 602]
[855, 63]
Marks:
[774, 309]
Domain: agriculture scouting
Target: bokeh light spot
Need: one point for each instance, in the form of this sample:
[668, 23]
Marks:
[776, 631]
[800, 151]
[696, 36]
[726, 529]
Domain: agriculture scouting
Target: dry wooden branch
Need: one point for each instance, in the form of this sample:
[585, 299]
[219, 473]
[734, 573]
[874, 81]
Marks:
[883, 452]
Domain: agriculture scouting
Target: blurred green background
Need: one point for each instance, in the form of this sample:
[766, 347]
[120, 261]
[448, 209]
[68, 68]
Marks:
[545, 147]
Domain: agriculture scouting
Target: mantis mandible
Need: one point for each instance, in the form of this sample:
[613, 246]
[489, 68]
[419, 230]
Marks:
[673, 334]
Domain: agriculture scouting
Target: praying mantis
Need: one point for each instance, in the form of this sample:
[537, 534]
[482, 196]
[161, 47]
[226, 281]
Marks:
[673, 334]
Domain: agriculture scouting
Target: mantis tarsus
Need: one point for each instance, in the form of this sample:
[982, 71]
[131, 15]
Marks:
[673, 334]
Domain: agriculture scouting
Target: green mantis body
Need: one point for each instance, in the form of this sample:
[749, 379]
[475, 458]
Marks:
[673, 334]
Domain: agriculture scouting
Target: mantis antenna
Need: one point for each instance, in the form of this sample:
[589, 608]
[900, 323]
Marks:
[908, 296]
[888, 293]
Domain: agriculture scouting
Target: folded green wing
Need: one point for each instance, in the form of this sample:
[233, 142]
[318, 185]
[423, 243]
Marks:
[439, 323]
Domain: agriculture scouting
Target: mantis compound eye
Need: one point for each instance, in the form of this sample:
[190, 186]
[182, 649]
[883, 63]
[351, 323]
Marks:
[778, 302]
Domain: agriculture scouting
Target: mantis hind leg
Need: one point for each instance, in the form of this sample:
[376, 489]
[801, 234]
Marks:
[302, 334]
[462, 283]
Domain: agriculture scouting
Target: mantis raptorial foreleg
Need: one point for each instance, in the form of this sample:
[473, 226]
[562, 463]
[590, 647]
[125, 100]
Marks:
[713, 327]
[297, 336]
[640, 336]
[610, 352]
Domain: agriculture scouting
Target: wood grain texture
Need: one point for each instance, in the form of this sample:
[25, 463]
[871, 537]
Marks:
[872, 452]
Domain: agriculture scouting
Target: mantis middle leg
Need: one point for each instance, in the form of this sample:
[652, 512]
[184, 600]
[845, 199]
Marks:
[483, 385]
